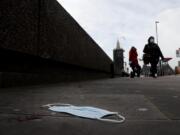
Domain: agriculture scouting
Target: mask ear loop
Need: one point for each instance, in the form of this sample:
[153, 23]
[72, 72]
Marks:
[120, 117]
[56, 104]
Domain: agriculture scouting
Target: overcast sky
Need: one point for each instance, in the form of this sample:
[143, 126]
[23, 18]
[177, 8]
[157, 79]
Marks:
[130, 21]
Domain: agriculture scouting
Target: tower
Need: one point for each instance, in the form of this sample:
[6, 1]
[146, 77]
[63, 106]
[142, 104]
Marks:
[118, 54]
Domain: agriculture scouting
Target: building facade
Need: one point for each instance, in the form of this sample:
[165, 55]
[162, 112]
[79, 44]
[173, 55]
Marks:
[118, 55]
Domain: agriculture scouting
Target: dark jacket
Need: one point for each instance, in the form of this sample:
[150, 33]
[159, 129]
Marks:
[153, 51]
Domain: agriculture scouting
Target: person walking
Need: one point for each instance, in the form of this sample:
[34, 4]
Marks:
[152, 55]
[133, 61]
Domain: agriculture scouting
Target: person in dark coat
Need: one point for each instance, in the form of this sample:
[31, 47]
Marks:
[152, 54]
[133, 61]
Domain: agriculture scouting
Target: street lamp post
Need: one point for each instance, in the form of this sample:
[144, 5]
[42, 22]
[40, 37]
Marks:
[157, 40]
[157, 36]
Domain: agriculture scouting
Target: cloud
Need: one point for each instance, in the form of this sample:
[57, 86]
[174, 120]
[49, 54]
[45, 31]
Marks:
[129, 20]
[169, 32]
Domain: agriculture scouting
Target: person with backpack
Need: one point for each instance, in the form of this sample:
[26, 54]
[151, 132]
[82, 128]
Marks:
[152, 54]
[133, 61]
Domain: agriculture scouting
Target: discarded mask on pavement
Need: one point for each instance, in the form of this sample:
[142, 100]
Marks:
[86, 112]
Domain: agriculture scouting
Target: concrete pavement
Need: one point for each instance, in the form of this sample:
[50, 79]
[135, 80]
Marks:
[151, 107]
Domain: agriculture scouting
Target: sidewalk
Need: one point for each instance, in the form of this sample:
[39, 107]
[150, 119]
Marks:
[151, 107]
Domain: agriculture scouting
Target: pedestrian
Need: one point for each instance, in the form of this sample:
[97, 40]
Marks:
[133, 62]
[152, 55]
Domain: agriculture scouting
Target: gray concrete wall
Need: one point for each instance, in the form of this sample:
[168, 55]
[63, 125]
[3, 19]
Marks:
[43, 28]
[39, 39]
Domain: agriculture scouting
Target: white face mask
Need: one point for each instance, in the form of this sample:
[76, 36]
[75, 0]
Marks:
[151, 40]
[85, 112]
